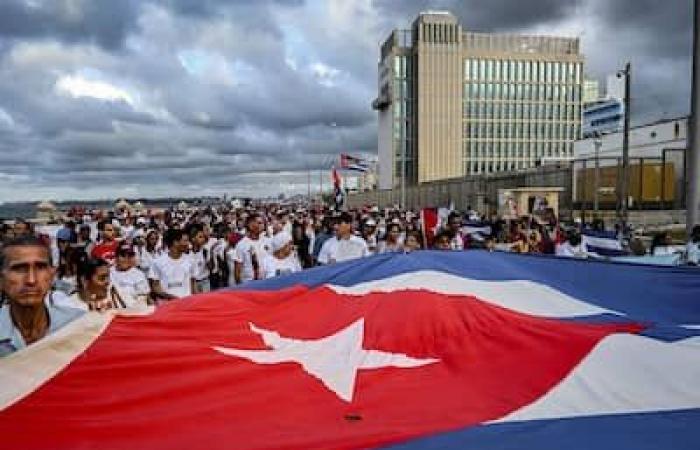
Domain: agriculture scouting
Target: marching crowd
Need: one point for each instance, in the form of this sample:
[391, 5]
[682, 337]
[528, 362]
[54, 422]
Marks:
[122, 260]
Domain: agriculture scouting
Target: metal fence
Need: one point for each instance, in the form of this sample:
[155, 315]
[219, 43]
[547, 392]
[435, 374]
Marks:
[655, 183]
[479, 192]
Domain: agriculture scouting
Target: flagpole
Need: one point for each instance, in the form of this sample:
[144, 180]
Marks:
[693, 149]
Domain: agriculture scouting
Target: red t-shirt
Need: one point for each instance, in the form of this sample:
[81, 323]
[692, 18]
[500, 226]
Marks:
[105, 250]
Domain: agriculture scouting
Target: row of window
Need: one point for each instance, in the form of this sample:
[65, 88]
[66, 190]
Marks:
[481, 167]
[521, 131]
[522, 111]
[526, 92]
[511, 70]
[439, 33]
[506, 150]
[487, 158]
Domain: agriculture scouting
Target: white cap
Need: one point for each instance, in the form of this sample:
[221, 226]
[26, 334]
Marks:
[280, 240]
[371, 223]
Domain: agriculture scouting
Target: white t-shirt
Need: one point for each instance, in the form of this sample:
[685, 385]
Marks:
[175, 275]
[199, 262]
[131, 285]
[273, 267]
[146, 258]
[335, 250]
[127, 231]
[243, 252]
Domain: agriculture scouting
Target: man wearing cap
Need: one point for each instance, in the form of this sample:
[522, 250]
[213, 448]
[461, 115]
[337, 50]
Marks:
[129, 281]
[369, 234]
[283, 259]
[29, 312]
[344, 246]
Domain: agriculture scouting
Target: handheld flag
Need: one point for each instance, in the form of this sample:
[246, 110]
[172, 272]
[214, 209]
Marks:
[348, 162]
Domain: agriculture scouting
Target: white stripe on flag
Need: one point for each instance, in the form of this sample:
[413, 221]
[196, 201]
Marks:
[23, 372]
[518, 295]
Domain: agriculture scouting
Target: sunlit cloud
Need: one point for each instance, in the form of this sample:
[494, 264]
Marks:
[77, 87]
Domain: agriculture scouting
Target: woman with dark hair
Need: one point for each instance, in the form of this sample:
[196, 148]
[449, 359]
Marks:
[302, 244]
[149, 251]
[413, 241]
[71, 257]
[95, 293]
[443, 240]
[392, 241]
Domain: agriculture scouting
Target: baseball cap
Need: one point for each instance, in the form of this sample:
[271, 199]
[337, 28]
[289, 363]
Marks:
[370, 223]
[125, 249]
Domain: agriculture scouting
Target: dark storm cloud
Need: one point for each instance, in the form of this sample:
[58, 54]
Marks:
[105, 22]
[248, 96]
[206, 8]
[664, 28]
[479, 15]
[656, 37]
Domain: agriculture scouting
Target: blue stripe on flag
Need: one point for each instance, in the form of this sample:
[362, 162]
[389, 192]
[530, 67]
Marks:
[647, 431]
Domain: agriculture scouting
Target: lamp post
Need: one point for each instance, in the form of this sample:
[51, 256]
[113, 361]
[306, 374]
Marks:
[596, 181]
[624, 183]
[693, 158]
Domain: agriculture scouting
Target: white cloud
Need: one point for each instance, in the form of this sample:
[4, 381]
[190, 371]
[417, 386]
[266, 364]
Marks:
[77, 86]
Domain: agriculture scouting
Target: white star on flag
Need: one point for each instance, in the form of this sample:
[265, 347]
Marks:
[333, 360]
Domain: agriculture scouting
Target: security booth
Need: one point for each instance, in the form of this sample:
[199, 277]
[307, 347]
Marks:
[538, 201]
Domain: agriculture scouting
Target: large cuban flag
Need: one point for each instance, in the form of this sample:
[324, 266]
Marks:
[463, 350]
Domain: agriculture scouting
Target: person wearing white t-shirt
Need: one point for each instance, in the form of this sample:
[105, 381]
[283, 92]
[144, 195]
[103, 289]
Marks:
[148, 252]
[200, 258]
[130, 282]
[283, 259]
[216, 246]
[344, 246]
[250, 251]
[172, 273]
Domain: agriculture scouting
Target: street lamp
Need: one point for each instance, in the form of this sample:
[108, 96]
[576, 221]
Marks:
[693, 150]
[597, 142]
[624, 184]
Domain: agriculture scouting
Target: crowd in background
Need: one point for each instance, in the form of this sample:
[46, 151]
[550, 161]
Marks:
[120, 259]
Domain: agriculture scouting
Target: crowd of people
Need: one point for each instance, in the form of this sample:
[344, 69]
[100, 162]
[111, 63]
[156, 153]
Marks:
[97, 261]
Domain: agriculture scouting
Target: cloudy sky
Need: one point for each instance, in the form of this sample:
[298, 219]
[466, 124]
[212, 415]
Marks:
[109, 98]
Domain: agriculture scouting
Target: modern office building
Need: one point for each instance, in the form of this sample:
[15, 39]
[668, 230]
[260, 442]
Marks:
[453, 103]
[604, 114]
[591, 91]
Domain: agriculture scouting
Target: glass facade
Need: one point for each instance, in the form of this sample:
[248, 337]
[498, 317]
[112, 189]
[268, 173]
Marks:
[403, 132]
[517, 113]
